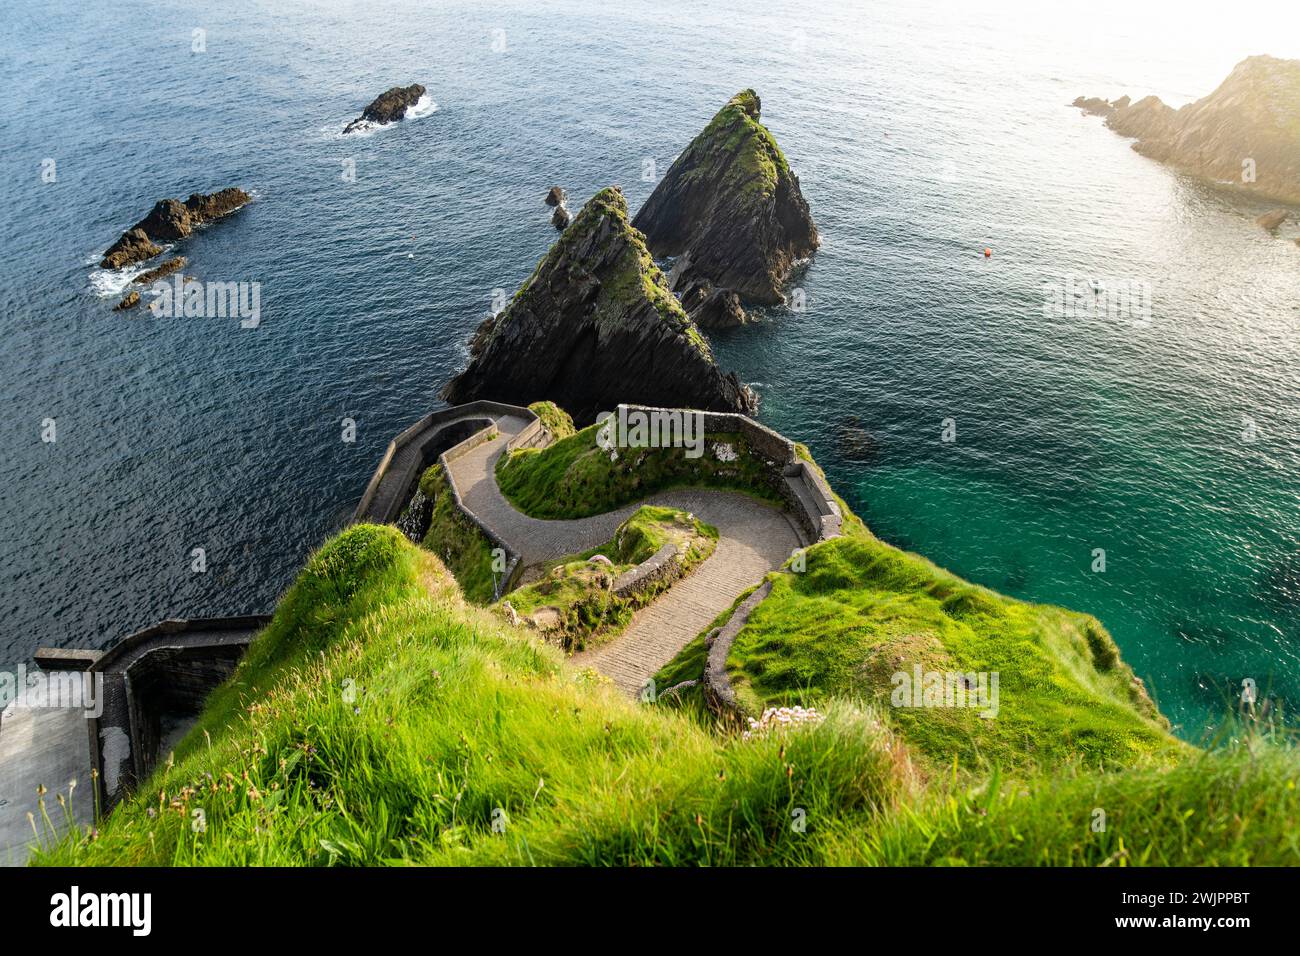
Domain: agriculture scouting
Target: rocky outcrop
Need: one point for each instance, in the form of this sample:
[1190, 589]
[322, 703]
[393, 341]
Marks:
[595, 325]
[130, 301]
[1245, 133]
[166, 269]
[169, 220]
[708, 306]
[133, 246]
[731, 203]
[388, 107]
[1274, 219]
[556, 196]
[560, 219]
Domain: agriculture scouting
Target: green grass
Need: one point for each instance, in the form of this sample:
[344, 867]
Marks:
[380, 719]
[578, 593]
[575, 478]
[864, 611]
[557, 420]
[458, 541]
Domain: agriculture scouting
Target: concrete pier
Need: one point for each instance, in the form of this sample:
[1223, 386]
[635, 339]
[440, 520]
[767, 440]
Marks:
[44, 746]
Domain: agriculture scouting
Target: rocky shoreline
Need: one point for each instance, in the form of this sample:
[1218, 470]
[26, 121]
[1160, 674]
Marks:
[1245, 133]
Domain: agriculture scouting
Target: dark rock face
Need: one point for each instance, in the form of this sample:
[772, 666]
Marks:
[166, 269]
[131, 300]
[708, 306]
[1244, 133]
[731, 202]
[133, 246]
[560, 219]
[388, 107]
[171, 219]
[593, 326]
[556, 197]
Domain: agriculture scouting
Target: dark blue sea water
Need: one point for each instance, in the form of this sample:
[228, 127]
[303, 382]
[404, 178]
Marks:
[923, 133]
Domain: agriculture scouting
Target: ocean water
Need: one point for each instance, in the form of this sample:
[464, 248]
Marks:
[922, 132]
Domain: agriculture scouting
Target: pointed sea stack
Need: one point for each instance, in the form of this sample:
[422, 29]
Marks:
[731, 203]
[595, 325]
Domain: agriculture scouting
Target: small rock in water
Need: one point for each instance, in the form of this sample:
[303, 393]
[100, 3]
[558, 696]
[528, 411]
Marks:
[130, 302]
[556, 196]
[560, 218]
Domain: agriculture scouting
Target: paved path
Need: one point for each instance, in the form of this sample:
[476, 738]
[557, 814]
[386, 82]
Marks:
[753, 538]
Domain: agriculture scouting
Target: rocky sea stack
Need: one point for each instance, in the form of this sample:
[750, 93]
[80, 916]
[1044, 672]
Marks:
[731, 208]
[595, 325]
[169, 220]
[1247, 132]
[388, 107]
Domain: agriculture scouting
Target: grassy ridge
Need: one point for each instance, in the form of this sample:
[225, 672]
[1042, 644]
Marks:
[457, 540]
[379, 719]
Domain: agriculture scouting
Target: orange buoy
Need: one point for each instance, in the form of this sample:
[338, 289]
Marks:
[988, 253]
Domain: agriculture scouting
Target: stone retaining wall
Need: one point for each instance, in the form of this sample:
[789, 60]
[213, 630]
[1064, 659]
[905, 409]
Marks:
[664, 566]
[801, 486]
[717, 686]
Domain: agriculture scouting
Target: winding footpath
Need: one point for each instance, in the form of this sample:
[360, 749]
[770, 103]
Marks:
[753, 539]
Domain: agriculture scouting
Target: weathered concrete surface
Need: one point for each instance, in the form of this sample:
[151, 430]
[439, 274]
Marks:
[41, 747]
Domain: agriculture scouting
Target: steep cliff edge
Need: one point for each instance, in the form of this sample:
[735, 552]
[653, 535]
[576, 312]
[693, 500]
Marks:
[593, 326]
[731, 207]
[1247, 132]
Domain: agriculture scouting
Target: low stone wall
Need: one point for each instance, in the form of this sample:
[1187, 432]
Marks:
[663, 567]
[801, 486]
[717, 686]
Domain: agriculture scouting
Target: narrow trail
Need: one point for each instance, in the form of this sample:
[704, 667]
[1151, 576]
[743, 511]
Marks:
[753, 538]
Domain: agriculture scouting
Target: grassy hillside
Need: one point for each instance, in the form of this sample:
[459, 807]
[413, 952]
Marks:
[575, 478]
[380, 719]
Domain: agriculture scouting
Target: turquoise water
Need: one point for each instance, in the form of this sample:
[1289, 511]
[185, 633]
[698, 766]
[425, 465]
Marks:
[922, 133]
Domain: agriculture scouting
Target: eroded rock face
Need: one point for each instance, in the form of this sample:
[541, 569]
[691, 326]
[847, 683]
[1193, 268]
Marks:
[169, 220]
[132, 246]
[388, 107]
[731, 202]
[166, 269]
[1246, 132]
[593, 326]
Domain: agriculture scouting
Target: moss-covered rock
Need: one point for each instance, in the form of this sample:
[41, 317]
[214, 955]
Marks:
[731, 208]
[596, 325]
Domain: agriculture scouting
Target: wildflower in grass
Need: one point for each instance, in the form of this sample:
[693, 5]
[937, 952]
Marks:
[782, 719]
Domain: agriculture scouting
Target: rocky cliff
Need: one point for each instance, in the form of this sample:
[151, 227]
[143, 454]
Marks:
[1247, 132]
[593, 326]
[732, 207]
[169, 220]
